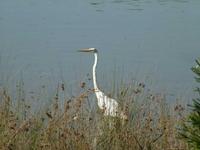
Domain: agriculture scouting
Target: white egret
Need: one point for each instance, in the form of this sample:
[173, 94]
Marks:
[108, 105]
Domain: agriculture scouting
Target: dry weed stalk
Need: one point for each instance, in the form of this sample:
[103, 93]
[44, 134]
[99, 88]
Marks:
[76, 125]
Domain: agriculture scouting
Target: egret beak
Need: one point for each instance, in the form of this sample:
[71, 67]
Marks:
[85, 50]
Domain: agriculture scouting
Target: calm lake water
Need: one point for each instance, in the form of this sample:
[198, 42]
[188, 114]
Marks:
[151, 41]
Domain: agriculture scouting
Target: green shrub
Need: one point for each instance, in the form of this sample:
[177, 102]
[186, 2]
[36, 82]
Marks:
[190, 129]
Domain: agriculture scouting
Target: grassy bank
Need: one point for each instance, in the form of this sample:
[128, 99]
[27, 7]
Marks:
[77, 123]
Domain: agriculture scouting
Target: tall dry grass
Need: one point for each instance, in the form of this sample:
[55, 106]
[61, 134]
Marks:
[76, 123]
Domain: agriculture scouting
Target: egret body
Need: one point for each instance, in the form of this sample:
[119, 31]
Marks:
[108, 105]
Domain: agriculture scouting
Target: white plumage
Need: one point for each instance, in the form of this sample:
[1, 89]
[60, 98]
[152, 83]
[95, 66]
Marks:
[108, 105]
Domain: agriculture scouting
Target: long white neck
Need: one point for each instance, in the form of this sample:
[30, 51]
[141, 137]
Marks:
[94, 72]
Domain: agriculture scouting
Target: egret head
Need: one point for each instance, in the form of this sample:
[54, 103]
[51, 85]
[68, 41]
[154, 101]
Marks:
[94, 50]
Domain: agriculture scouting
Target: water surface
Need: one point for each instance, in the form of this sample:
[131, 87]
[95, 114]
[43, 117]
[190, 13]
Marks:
[153, 41]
